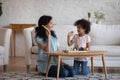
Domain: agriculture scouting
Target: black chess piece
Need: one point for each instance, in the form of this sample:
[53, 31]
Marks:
[81, 49]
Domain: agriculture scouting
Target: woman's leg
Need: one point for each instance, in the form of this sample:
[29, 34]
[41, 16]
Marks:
[63, 72]
[77, 68]
[42, 67]
[52, 71]
[85, 69]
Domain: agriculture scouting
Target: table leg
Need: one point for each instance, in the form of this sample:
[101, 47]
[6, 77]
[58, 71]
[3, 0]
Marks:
[11, 45]
[48, 66]
[58, 67]
[14, 40]
[92, 65]
[104, 66]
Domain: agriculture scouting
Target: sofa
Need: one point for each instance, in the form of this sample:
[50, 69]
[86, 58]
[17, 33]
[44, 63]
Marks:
[104, 37]
[4, 47]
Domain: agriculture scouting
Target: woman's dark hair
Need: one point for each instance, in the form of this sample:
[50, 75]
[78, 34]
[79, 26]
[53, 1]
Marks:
[85, 24]
[40, 30]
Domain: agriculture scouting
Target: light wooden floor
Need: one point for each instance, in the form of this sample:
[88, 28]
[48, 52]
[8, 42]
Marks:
[17, 64]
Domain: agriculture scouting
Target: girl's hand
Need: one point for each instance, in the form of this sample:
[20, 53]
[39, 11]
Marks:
[86, 49]
[47, 30]
[71, 33]
[70, 42]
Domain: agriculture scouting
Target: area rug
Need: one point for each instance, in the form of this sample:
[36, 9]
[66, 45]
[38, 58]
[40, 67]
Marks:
[33, 76]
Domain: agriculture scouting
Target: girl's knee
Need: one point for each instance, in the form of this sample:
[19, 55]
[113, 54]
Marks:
[85, 69]
[86, 72]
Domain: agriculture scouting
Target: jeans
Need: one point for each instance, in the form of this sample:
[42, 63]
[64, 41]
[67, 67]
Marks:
[65, 71]
[80, 67]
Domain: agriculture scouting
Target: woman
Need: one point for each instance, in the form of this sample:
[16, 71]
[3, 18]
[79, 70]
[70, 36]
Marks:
[47, 41]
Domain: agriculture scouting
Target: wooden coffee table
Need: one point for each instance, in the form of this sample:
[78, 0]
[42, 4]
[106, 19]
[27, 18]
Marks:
[76, 54]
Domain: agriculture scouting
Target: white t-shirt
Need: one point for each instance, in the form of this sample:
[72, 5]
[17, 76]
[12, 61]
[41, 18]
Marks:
[81, 42]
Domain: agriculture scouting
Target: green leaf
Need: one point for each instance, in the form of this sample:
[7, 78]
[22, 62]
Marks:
[99, 15]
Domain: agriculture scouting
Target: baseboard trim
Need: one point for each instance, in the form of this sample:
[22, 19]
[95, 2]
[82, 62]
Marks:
[114, 70]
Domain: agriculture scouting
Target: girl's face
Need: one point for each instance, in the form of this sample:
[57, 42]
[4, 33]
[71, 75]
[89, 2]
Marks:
[50, 25]
[80, 30]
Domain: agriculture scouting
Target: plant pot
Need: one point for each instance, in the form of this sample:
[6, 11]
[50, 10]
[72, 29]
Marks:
[98, 21]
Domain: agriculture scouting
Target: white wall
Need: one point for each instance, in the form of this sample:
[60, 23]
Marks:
[63, 12]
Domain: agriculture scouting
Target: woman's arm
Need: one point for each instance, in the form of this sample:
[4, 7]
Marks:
[46, 47]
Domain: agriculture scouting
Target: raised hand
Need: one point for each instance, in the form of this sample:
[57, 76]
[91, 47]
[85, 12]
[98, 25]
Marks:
[47, 29]
[71, 33]
[49, 33]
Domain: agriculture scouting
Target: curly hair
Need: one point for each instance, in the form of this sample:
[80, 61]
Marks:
[85, 24]
[40, 30]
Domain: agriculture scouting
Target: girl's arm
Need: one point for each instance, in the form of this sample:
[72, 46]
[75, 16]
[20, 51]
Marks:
[87, 47]
[70, 42]
[88, 44]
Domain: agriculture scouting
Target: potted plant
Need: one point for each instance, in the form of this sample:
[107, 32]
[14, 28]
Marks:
[99, 16]
[1, 9]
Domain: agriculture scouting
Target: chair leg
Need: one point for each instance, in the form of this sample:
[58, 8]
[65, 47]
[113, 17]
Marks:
[28, 68]
[5, 68]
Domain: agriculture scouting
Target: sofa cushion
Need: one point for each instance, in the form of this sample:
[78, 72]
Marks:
[34, 56]
[105, 34]
[34, 49]
[33, 37]
[112, 50]
[1, 49]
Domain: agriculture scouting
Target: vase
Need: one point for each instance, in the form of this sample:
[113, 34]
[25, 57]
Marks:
[0, 9]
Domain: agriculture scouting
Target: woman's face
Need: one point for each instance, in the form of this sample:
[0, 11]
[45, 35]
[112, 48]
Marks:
[50, 25]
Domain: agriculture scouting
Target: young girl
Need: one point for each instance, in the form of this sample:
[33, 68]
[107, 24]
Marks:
[81, 41]
[47, 41]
